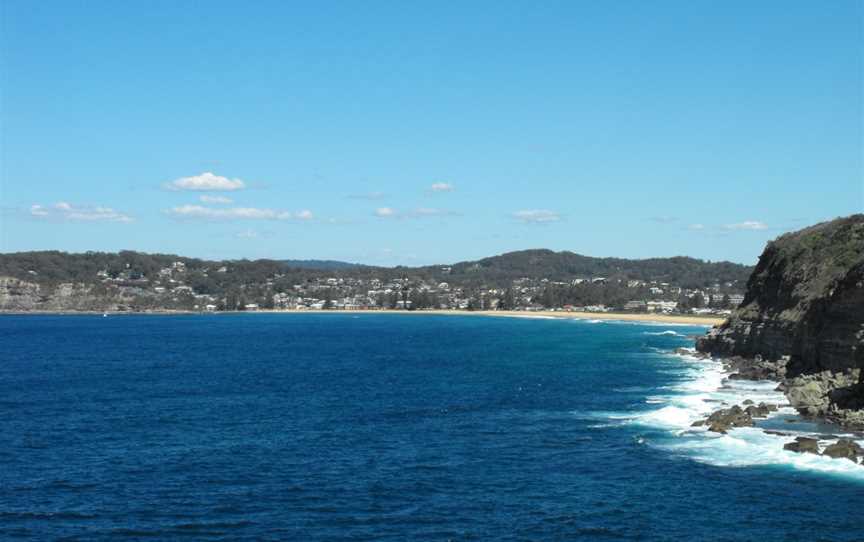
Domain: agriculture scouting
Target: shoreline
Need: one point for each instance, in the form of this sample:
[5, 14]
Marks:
[611, 316]
[763, 427]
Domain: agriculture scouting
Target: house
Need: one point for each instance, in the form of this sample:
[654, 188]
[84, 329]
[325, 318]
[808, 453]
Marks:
[635, 306]
[736, 299]
[661, 306]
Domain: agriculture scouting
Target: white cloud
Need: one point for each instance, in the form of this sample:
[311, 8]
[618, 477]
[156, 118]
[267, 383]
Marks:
[441, 187]
[537, 216]
[696, 227]
[247, 234]
[746, 225]
[199, 212]
[206, 182]
[77, 213]
[215, 199]
[38, 210]
[385, 212]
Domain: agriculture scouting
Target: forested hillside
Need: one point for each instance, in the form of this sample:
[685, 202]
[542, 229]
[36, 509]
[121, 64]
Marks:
[127, 280]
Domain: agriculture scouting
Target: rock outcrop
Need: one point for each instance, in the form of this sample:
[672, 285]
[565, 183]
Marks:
[803, 445]
[25, 296]
[802, 320]
[16, 294]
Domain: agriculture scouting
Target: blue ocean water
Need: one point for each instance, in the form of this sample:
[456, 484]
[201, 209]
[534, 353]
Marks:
[388, 427]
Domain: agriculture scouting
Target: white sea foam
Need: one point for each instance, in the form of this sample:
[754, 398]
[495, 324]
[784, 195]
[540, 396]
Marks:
[704, 390]
[531, 316]
[667, 332]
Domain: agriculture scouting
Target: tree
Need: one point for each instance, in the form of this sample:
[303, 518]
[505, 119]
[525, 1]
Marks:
[507, 301]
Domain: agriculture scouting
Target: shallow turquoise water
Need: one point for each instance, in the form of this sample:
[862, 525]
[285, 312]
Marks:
[387, 427]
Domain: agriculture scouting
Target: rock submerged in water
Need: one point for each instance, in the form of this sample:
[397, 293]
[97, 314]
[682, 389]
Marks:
[721, 421]
[844, 448]
[760, 411]
[724, 419]
[803, 445]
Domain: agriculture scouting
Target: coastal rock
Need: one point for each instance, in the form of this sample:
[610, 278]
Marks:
[802, 320]
[691, 353]
[825, 392]
[760, 411]
[803, 445]
[724, 419]
[844, 448]
[21, 295]
[17, 294]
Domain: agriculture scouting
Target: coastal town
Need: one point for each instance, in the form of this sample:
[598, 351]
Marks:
[530, 281]
[173, 286]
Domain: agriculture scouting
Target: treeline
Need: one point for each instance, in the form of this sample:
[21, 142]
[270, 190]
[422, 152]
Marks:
[566, 266]
[244, 277]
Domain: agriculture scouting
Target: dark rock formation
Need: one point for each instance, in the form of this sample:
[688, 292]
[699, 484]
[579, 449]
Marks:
[725, 419]
[802, 319]
[760, 411]
[803, 445]
[720, 421]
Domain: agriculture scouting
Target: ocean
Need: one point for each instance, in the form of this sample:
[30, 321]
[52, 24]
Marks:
[392, 427]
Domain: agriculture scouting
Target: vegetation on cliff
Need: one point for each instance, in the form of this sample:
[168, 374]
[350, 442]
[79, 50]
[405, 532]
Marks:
[804, 313]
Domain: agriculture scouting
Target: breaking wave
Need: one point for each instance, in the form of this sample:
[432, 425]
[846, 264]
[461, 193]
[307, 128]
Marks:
[705, 389]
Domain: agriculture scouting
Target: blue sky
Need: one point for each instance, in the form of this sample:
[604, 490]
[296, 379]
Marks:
[426, 132]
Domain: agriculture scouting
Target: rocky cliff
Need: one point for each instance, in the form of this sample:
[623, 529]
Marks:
[25, 296]
[802, 320]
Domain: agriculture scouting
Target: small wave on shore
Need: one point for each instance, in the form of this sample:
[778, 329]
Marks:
[705, 389]
[667, 332]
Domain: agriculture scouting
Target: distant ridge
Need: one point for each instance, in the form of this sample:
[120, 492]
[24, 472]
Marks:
[52, 280]
[55, 266]
[323, 265]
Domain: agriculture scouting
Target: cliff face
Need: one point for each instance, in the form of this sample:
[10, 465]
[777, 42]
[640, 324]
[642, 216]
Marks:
[803, 315]
[21, 295]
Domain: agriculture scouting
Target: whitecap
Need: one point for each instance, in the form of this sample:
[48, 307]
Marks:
[704, 389]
